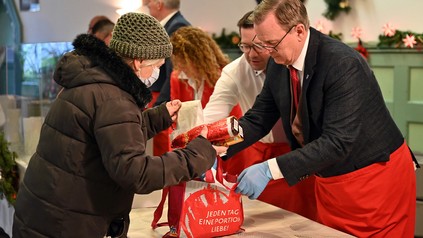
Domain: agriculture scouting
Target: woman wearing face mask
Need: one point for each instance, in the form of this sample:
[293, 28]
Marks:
[155, 66]
[91, 157]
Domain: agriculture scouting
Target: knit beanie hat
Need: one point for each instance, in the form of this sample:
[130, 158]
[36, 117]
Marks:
[140, 36]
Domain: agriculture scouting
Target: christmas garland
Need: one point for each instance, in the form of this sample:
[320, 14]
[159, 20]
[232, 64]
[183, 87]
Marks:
[398, 39]
[335, 7]
[9, 176]
[226, 41]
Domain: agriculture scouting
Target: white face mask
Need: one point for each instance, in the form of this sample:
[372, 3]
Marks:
[153, 78]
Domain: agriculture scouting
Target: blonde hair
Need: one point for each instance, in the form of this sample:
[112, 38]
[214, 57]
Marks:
[195, 48]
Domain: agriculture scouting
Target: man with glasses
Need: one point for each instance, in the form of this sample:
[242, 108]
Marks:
[240, 82]
[337, 124]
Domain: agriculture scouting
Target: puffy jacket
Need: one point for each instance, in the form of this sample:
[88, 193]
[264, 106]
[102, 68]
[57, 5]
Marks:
[91, 156]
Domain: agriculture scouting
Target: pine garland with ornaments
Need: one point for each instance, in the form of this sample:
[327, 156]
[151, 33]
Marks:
[227, 41]
[392, 37]
[9, 176]
[335, 7]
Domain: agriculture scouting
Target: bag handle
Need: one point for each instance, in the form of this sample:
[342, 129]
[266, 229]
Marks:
[220, 176]
[159, 210]
[209, 178]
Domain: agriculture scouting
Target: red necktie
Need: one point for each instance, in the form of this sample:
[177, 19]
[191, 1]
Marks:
[295, 86]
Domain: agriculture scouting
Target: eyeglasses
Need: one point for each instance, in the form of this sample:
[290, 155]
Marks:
[270, 48]
[246, 48]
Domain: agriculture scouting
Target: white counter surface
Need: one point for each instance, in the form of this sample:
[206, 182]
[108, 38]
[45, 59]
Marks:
[261, 220]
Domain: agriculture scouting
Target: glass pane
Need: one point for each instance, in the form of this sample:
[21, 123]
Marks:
[28, 91]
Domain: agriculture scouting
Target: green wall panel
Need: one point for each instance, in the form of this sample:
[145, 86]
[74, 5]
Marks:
[400, 76]
[415, 135]
[416, 85]
[385, 78]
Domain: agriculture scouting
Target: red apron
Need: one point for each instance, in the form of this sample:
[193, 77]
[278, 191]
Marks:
[161, 141]
[154, 96]
[376, 201]
[299, 198]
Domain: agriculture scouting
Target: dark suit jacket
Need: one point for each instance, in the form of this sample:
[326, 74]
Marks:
[346, 124]
[162, 84]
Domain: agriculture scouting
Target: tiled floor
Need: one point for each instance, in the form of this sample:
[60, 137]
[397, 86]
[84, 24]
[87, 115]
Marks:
[140, 224]
[142, 214]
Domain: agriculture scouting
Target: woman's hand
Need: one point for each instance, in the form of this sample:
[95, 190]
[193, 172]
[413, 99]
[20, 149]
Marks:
[173, 108]
[204, 131]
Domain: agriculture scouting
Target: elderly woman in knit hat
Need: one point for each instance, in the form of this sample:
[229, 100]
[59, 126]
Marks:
[91, 158]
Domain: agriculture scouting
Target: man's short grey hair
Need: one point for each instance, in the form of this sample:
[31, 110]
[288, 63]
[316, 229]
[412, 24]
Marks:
[288, 12]
[172, 4]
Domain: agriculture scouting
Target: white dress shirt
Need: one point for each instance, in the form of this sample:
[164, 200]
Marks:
[299, 65]
[239, 84]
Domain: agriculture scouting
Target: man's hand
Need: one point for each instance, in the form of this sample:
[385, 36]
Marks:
[173, 108]
[253, 180]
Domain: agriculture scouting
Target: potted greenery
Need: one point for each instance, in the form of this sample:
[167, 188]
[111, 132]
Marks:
[9, 174]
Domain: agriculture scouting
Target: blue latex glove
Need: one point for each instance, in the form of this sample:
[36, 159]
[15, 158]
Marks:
[253, 180]
[215, 164]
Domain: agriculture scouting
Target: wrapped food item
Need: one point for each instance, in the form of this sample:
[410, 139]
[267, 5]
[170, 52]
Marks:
[224, 132]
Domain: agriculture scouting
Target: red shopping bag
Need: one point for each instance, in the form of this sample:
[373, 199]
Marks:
[199, 209]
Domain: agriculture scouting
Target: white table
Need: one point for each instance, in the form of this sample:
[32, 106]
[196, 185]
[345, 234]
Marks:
[261, 220]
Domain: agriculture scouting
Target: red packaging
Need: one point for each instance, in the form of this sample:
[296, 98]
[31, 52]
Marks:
[224, 132]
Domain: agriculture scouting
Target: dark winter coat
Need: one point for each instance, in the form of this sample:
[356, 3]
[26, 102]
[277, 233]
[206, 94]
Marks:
[91, 156]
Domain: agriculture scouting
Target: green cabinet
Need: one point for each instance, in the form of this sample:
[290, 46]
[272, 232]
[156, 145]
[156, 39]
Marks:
[400, 76]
